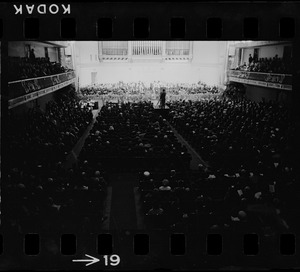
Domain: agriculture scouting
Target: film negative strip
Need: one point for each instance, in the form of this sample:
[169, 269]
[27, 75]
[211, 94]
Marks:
[149, 136]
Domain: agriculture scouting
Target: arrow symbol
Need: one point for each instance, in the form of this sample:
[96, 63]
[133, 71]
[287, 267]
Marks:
[91, 261]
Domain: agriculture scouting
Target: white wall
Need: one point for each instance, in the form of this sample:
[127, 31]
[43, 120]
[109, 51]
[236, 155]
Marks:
[53, 54]
[17, 49]
[271, 51]
[168, 72]
[84, 50]
[208, 65]
[264, 52]
[246, 53]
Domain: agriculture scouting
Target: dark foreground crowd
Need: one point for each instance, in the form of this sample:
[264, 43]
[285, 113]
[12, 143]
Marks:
[247, 183]
[250, 182]
[133, 134]
[40, 189]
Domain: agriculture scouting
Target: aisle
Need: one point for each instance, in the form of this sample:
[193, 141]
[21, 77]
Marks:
[72, 156]
[196, 159]
[123, 209]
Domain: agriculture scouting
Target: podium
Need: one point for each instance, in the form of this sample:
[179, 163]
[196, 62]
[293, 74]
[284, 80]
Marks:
[163, 112]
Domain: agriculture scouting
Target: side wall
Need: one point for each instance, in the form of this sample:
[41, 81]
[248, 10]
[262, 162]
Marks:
[256, 93]
[17, 49]
[264, 52]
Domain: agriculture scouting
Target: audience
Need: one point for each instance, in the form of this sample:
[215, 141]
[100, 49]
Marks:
[247, 183]
[234, 91]
[38, 145]
[128, 132]
[147, 91]
[24, 68]
[248, 147]
[268, 65]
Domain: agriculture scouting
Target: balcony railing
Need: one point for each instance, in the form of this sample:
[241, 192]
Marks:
[270, 80]
[22, 91]
[114, 51]
[180, 52]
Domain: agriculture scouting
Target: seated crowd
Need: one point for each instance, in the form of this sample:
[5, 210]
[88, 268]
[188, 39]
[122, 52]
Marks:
[133, 133]
[143, 89]
[46, 192]
[268, 65]
[23, 68]
[234, 90]
[250, 182]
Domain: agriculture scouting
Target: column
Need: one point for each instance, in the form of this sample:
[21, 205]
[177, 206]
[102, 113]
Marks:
[100, 51]
[129, 50]
[134, 47]
[141, 48]
[241, 60]
[191, 50]
[147, 47]
[163, 50]
[151, 47]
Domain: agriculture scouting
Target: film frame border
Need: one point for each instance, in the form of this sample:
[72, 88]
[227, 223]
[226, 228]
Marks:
[122, 16]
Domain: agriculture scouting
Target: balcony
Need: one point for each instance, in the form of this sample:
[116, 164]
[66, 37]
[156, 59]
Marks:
[22, 91]
[268, 80]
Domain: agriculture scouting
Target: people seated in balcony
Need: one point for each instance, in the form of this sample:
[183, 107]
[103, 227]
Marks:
[23, 68]
[267, 65]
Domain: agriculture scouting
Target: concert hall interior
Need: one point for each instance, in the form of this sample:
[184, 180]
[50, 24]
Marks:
[139, 136]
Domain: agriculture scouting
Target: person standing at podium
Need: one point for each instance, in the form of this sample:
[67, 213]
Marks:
[162, 99]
